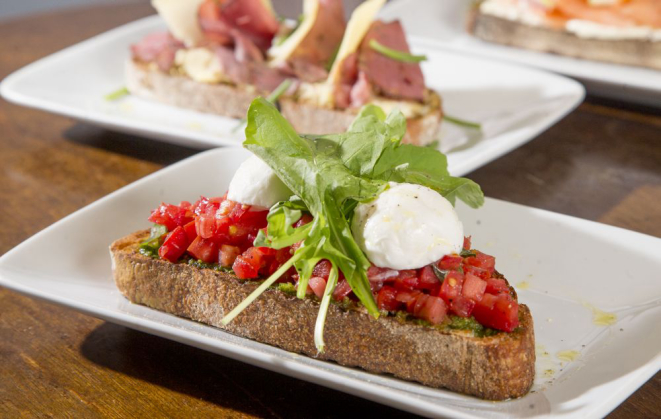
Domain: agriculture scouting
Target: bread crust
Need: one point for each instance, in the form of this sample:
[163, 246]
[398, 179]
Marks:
[184, 92]
[496, 367]
[642, 53]
[233, 101]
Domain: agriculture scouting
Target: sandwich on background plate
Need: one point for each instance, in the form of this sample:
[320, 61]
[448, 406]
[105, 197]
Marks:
[616, 31]
[219, 55]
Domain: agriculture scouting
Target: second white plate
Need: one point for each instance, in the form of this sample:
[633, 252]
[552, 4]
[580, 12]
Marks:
[513, 103]
[442, 24]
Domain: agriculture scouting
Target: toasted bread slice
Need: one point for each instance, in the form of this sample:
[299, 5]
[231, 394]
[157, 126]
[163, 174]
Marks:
[184, 92]
[495, 367]
[642, 53]
[234, 101]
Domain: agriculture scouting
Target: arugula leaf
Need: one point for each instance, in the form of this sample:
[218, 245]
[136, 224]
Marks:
[315, 173]
[281, 232]
[150, 246]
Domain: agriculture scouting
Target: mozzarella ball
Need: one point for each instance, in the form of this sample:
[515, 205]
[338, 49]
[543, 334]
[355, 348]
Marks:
[407, 227]
[255, 183]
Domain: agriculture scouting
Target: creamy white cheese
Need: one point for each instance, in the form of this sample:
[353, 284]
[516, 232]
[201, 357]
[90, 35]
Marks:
[200, 64]
[593, 30]
[255, 183]
[181, 18]
[407, 227]
[514, 11]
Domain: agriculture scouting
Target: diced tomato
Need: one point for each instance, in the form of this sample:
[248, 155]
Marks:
[497, 286]
[407, 280]
[479, 272]
[428, 279]
[228, 255]
[171, 216]
[317, 285]
[243, 269]
[190, 230]
[244, 216]
[205, 250]
[487, 262]
[386, 299]
[342, 290]
[305, 219]
[450, 262]
[376, 274]
[420, 301]
[467, 243]
[462, 306]
[283, 255]
[451, 287]
[473, 287]
[497, 312]
[205, 226]
[322, 269]
[433, 310]
[409, 298]
[174, 245]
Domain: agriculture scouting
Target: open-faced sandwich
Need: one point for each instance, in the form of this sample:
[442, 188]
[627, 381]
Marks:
[218, 55]
[616, 31]
[342, 247]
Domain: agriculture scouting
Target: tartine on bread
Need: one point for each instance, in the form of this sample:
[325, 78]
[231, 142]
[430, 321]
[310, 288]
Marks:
[218, 56]
[342, 247]
[616, 31]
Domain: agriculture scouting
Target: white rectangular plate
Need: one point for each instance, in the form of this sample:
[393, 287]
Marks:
[562, 266]
[513, 103]
[434, 23]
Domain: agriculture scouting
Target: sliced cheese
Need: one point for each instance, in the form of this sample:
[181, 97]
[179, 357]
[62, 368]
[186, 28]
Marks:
[279, 54]
[200, 64]
[181, 19]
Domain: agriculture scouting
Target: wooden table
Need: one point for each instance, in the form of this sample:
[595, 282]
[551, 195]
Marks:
[601, 162]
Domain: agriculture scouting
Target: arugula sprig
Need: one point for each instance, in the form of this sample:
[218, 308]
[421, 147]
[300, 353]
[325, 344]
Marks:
[330, 175]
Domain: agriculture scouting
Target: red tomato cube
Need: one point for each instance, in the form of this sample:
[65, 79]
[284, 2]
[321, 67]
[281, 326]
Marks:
[428, 279]
[467, 243]
[174, 245]
[342, 289]
[433, 310]
[497, 286]
[451, 287]
[322, 269]
[450, 262]
[205, 250]
[462, 306]
[228, 255]
[244, 269]
[473, 287]
[497, 312]
[386, 299]
[317, 285]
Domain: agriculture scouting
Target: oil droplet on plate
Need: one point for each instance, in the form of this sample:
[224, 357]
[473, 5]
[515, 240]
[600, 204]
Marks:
[567, 356]
[523, 285]
[600, 317]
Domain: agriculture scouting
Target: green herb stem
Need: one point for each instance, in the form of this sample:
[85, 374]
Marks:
[278, 91]
[396, 55]
[323, 310]
[462, 122]
[117, 94]
[263, 287]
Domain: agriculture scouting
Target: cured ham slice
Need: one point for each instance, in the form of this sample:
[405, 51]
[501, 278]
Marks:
[159, 47]
[389, 77]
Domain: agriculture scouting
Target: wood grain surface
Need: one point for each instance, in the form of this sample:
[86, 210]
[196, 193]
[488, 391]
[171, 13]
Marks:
[602, 162]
